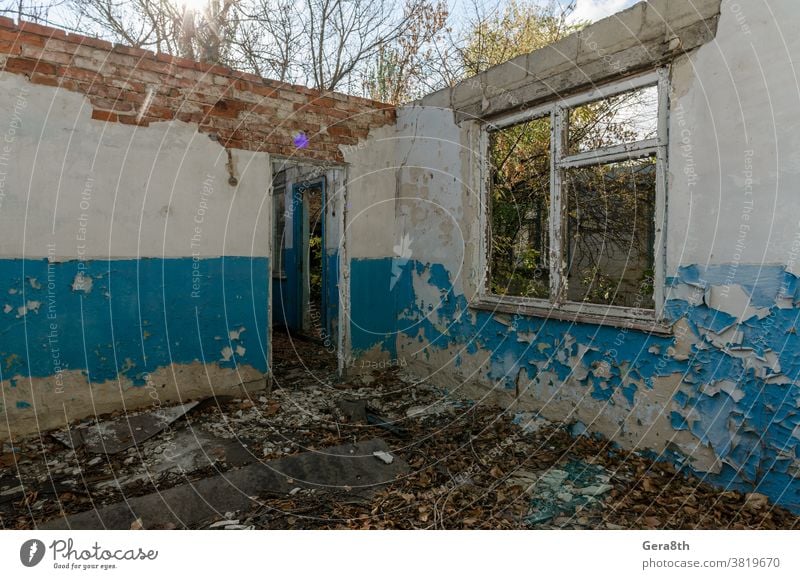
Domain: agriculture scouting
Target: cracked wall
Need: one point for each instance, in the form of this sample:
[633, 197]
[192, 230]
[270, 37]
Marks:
[134, 264]
[136, 221]
[719, 394]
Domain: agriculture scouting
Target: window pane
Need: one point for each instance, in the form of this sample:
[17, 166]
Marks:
[625, 118]
[610, 234]
[520, 198]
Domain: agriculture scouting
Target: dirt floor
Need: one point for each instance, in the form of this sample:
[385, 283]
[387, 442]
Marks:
[463, 465]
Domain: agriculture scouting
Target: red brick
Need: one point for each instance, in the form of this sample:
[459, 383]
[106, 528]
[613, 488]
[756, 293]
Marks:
[98, 43]
[265, 91]
[189, 117]
[12, 36]
[7, 47]
[105, 116]
[160, 112]
[132, 120]
[133, 51]
[79, 73]
[7, 22]
[44, 79]
[339, 131]
[154, 65]
[41, 30]
[28, 66]
[113, 105]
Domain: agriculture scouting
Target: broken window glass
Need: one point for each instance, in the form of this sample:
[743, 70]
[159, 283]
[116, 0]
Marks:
[625, 118]
[520, 206]
[610, 236]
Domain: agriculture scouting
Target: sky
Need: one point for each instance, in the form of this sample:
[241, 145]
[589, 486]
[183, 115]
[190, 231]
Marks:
[585, 10]
[596, 9]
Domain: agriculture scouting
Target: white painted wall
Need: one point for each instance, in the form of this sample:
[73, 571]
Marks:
[436, 186]
[145, 192]
[371, 189]
[734, 110]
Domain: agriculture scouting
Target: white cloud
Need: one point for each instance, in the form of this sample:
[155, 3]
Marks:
[596, 9]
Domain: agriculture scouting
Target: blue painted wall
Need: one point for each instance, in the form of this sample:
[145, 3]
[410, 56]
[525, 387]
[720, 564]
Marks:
[138, 315]
[754, 431]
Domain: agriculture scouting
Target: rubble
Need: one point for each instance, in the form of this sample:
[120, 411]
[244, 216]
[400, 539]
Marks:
[454, 464]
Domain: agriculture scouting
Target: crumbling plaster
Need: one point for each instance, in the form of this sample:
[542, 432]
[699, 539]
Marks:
[720, 394]
[128, 256]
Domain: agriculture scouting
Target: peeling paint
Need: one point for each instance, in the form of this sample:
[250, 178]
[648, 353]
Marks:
[726, 404]
[82, 283]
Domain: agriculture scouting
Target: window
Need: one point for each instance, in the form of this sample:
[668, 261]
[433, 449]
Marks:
[520, 160]
[576, 199]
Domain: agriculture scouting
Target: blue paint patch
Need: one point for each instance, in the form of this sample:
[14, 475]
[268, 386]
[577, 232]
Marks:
[21, 404]
[752, 431]
[136, 317]
[373, 316]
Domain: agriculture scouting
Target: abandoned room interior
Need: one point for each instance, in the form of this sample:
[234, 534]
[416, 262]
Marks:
[561, 294]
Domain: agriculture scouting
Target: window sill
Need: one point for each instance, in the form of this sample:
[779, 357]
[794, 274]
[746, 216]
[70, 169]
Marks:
[615, 316]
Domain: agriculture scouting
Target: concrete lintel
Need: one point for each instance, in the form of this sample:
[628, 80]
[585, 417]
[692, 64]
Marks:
[646, 35]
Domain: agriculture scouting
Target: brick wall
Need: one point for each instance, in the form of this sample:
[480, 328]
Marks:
[138, 87]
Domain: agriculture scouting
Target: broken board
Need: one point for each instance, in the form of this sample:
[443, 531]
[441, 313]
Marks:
[118, 434]
[351, 468]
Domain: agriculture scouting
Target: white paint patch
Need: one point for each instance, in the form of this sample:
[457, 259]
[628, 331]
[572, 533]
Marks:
[30, 306]
[240, 350]
[733, 300]
[34, 283]
[7, 309]
[730, 336]
[729, 387]
[429, 297]
[692, 294]
[226, 354]
[82, 283]
[234, 334]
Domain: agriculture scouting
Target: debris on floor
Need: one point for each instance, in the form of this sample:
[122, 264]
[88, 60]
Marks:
[561, 492]
[421, 459]
[346, 469]
[122, 432]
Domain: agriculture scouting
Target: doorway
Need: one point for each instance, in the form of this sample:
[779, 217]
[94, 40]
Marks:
[306, 272]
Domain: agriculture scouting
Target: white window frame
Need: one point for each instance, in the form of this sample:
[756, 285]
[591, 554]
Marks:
[556, 306]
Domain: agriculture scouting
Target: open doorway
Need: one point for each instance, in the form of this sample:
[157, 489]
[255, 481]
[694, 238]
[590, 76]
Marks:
[302, 298]
[314, 251]
[308, 207]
